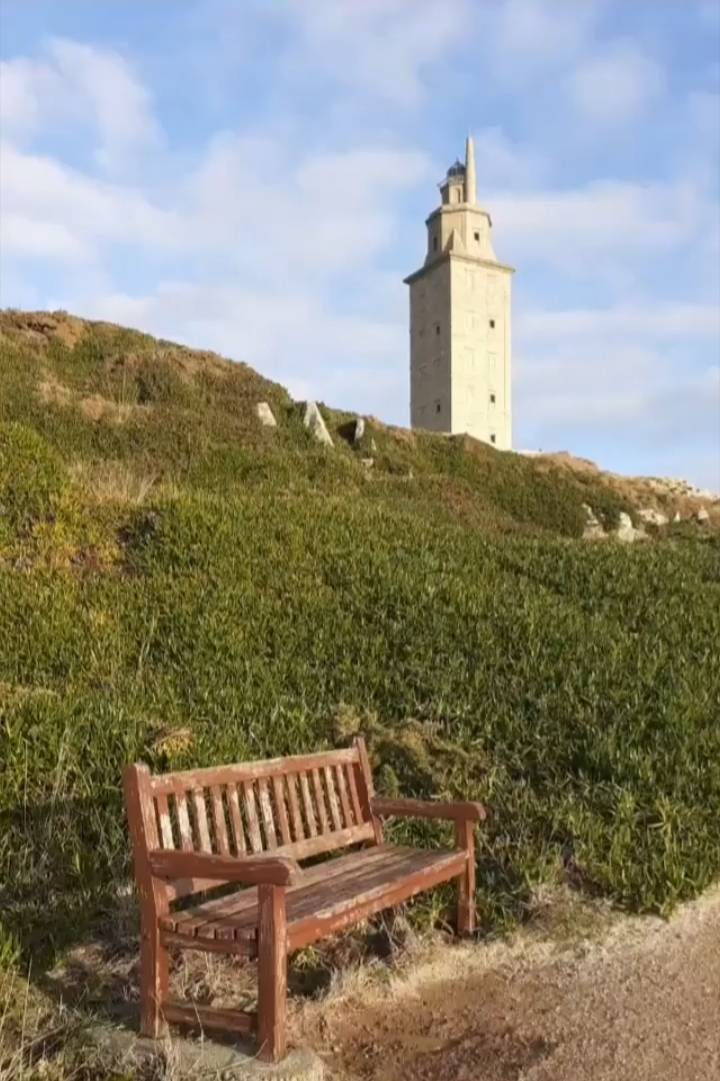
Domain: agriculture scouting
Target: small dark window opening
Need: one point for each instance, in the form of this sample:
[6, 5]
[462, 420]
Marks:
[492, 437]
[492, 323]
[437, 329]
[434, 243]
[476, 235]
[492, 398]
[437, 410]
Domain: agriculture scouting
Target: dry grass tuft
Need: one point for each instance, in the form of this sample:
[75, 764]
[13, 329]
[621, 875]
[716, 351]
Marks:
[117, 482]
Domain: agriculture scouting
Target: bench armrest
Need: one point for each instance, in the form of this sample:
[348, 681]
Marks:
[417, 808]
[251, 870]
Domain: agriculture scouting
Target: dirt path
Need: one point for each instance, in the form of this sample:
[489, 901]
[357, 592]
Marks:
[642, 1003]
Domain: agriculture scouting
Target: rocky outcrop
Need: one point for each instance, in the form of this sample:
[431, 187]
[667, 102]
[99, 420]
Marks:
[265, 415]
[593, 529]
[626, 531]
[652, 517]
[702, 515]
[313, 421]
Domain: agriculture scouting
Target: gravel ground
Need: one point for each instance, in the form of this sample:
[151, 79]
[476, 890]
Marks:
[639, 1000]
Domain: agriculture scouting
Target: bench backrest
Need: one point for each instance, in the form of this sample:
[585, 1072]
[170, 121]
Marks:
[298, 806]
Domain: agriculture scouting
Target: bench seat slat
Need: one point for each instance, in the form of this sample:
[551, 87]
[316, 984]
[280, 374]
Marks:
[331, 895]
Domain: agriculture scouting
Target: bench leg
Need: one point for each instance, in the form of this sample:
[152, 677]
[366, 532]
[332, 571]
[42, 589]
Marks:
[272, 973]
[153, 982]
[465, 838]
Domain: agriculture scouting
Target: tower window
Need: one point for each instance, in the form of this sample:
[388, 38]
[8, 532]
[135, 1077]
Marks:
[477, 236]
[492, 399]
[492, 324]
[492, 437]
[437, 328]
[434, 243]
[438, 407]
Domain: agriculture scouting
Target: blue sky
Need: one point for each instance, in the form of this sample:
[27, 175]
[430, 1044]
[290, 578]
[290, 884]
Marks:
[253, 177]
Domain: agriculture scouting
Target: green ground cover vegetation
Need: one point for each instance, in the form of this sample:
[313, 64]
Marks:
[182, 586]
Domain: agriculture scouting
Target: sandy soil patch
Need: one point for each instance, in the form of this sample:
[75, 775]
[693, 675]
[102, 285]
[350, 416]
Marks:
[640, 1004]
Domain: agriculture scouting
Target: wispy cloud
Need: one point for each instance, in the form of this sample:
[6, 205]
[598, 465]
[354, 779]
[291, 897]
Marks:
[73, 87]
[617, 85]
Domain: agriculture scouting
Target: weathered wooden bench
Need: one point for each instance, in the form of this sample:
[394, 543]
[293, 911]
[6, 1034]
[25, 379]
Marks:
[248, 824]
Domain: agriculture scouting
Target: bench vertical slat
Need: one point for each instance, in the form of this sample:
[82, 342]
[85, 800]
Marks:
[221, 833]
[344, 798]
[332, 797]
[307, 805]
[267, 814]
[320, 800]
[281, 809]
[186, 837]
[236, 820]
[297, 822]
[352, 785]
[366, 789]
[252, 817]
[198, 801]
[163, 813]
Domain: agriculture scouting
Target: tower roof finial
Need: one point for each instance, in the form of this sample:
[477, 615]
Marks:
[470, 184]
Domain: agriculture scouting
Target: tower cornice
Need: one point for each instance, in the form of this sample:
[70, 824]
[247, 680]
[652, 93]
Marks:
[445, 257]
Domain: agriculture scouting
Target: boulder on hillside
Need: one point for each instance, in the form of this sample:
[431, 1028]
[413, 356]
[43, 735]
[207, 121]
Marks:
[626, 531]
[593, 529]
[652, 516]
[359, 431]
[702, 515]
[265, 415]
[313, 421]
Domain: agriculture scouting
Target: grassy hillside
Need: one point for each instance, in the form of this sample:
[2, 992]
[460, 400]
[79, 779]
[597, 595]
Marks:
[181, 585]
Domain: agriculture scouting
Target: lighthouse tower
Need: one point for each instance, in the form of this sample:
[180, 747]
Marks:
[460, 319]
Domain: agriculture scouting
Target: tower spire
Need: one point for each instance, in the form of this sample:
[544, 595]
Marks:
[470, 185]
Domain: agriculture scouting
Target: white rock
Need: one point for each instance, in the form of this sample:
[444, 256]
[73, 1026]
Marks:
[676, 517]
[265, 414]
[626, 531]
[702, 515]
[359, 429]
[593, 529]
[313, 421]
[652, 516]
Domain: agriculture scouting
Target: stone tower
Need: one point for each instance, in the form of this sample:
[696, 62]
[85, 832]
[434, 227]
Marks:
[460, 320]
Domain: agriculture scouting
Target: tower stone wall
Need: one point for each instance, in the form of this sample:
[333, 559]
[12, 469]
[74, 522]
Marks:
[460, 332]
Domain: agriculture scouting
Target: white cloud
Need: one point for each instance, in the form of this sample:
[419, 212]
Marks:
[649, 321]
[383, 48]
[527, 41]
[320, 214]
[614, 384]
[75, 87]
[609, 220]
[51, 211]
[616, 85]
